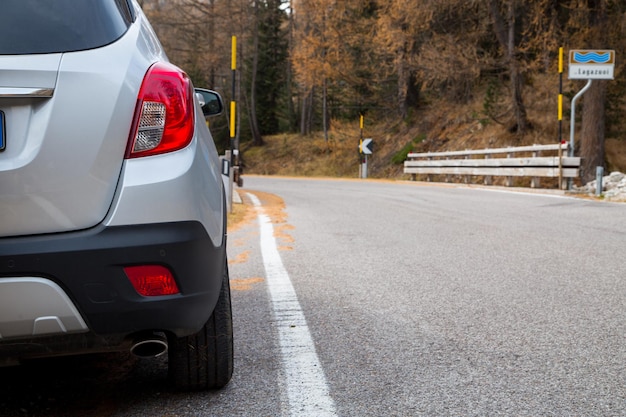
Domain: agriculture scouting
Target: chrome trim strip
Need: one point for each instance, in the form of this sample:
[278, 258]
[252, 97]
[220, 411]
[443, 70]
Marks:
[26, 92]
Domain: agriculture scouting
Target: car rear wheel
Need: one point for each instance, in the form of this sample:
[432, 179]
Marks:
[205, 360]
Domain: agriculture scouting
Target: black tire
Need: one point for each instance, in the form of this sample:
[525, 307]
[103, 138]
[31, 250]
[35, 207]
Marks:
[204, 360]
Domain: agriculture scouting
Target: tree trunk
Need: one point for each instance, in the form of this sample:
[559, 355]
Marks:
[505, 32]
[306, 118]
[293, 119]
[592, 130]
[257, 139]
[403, 82]
[521, 119]
[325, 111]
[594, 101]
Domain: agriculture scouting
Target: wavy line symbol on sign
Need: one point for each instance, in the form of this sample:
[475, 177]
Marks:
[592, 57]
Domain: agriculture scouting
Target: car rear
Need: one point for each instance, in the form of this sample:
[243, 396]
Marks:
[112, 219]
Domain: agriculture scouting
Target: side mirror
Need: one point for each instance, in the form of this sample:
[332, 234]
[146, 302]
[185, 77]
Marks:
[210, 101]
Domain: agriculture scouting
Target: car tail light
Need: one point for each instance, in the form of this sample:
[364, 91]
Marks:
[152, 280]
[164, 116]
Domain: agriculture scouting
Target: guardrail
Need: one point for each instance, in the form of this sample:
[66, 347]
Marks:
[507, 162]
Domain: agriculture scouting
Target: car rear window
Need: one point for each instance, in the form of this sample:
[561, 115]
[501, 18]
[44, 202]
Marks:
[53, 26]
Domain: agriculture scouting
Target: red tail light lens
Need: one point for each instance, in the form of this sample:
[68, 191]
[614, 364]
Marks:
[164, 116]
[152, 280]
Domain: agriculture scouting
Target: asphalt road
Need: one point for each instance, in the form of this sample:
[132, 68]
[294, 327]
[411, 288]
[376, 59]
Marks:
[365, 298]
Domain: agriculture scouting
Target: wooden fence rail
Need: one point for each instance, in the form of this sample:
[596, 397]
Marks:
[523, 161]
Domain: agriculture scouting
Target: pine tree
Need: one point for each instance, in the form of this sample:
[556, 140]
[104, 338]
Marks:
[272, 68]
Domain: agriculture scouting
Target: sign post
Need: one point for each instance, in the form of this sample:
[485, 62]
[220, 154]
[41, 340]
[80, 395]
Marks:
[234, 143]
[560, 117]
[587, 65]
[365, 149]
[366, 146]
[360, 145]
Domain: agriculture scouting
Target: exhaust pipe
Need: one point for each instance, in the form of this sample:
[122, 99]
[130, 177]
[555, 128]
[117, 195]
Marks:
[149, 345]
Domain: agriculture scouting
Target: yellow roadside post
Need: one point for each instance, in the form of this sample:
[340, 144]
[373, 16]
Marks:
[560, 117]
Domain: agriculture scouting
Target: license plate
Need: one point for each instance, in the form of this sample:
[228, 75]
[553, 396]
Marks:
[2, 132]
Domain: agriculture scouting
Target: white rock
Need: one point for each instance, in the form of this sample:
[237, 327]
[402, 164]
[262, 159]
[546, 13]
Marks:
[613, 185]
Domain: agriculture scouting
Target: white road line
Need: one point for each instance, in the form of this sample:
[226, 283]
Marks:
[527, 193]
[307, 388]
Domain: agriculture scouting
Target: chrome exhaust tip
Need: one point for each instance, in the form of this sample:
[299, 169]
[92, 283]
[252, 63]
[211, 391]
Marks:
[150, 345]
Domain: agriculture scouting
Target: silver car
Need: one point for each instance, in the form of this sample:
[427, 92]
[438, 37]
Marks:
[112, 209]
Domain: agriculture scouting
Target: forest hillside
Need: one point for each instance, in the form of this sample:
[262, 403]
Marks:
[440, 126]
[424, 74]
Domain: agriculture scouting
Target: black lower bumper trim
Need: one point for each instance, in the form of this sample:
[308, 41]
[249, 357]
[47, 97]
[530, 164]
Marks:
[88, 265]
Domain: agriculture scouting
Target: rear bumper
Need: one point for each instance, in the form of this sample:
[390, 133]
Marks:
[87, 268]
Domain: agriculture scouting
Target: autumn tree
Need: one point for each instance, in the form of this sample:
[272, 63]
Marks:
[402, 25]
[310, 53]
[333, 56]
[457, 49]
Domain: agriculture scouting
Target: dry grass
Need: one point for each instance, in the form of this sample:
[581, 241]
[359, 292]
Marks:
[305, 156]
[239, 216]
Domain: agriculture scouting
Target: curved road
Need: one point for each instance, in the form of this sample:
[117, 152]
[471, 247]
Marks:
[366, 298]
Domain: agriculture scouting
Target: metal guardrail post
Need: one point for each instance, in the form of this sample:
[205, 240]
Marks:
[428, 177]
[561, 185]
[466, 177]
[599, 185]
[535, 182]
[509, 180]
